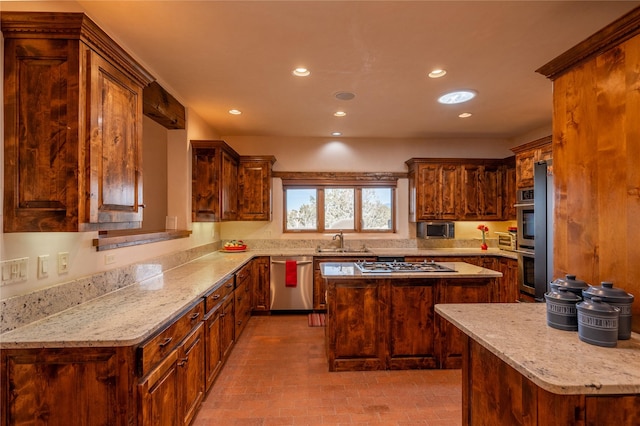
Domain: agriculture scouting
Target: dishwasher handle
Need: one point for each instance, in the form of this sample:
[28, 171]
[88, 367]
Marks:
[282, 262]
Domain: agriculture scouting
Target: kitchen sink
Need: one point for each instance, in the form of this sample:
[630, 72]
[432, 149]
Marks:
[342, 250]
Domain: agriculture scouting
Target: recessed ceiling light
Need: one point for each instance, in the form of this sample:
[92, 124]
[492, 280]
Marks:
[437, 73]
[235, 111]
[301, 72]
[345, 96]
[465, 115]
[457, 97]
[339, 113]
[336, 133]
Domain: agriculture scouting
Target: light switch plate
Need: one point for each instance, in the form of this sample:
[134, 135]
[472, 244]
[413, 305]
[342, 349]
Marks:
[15, 270]
[63, 262]
[43, 266]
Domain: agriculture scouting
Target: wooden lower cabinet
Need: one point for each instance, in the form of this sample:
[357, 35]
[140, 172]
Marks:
[213, 345]
[173, 391]
[359, 344]
[494, 393]
[242, 295]
[261, 295]
[390, 323]
[412, 340]
[67, 386]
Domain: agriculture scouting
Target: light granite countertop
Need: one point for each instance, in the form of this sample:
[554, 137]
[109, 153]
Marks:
[461, 270]
[130, 315]
[555, 360]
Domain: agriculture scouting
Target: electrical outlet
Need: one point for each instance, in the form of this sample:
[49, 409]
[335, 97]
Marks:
[43, 266]
[63, 262]
[109, 259]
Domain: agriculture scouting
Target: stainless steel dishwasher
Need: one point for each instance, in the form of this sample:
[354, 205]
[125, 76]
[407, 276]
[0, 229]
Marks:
[298, 297]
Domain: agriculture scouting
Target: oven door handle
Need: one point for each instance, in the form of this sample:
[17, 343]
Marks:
[523, 205]
[530, 253]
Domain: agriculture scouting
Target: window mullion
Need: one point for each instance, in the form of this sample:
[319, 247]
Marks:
[358, 210]
[320, 207]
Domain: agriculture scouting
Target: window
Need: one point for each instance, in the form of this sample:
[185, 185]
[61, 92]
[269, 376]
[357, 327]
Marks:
[351, 208]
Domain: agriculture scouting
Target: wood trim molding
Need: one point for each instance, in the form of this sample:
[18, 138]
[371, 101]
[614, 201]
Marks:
[332, 178]
[72, 26]
[135, 238]
[610, 36]
[532, 145]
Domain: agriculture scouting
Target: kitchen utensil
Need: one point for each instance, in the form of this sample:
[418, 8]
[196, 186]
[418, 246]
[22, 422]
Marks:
[598, 322]
[615, 297]
[571, 283]
[561, 309]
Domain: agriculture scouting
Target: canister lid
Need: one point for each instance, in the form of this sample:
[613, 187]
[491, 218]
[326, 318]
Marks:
[563, 294]
[570, 282]
[595, 304]
[607, 293]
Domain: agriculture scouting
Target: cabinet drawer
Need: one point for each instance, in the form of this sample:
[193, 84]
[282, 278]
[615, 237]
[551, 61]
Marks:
[213, 298]
[243, 274]
[155, 349]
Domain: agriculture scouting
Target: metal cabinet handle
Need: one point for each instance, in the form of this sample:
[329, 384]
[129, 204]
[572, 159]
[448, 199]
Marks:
[165, 342]
[216, 296]
[194, 316]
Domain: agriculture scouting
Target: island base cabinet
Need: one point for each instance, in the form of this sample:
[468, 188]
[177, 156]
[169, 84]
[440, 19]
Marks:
[53, 386]
[494, 393]
[360, 345]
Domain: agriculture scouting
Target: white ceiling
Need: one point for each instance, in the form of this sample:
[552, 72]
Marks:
[218, 55]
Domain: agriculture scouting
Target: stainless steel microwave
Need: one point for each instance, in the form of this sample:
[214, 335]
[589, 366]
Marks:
[429, 230]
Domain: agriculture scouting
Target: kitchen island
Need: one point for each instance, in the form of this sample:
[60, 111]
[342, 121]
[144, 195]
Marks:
[386, 320]
[519, 371]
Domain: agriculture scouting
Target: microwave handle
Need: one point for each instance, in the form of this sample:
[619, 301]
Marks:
[523, 205]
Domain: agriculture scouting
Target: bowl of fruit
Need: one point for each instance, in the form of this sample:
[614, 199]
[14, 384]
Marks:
[234, 245]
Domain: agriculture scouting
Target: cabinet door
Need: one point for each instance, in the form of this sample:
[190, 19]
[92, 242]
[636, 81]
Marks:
[158, 395]
[412, 325]
[449, 178]
[41, 85]
[191, 373]
[427, 192]
[114, 144]
[204, 185]
[254, 189]
[490, 192]
[509, 194]
[359, 342]
[261, 282]
[228, 325]
[229, 192]
[213, 342]
[449, 337]
[242, 295]
[470, 205]
[64, 387]
[524, 169]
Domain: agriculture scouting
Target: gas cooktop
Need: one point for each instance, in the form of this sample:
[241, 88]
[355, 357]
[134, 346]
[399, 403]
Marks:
[377, 267]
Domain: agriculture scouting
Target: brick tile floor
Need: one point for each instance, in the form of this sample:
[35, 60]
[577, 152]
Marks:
[277, 375]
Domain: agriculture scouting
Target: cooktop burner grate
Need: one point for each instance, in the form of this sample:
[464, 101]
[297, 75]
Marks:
[402, 267]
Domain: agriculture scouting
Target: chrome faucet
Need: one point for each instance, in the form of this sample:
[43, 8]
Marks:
[341, 236]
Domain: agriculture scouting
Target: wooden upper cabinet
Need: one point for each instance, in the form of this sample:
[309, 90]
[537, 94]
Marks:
[214, 192]
[456, 189]
[73, 126]
[254, 187]
[433, 190]
[526, 157]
